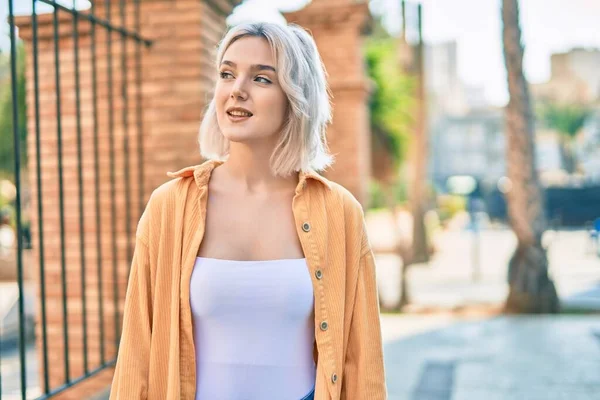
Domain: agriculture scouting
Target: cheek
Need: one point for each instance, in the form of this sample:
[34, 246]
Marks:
[278, 105]
[221, 96]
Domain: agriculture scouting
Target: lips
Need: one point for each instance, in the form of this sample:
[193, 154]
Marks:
[238, 112]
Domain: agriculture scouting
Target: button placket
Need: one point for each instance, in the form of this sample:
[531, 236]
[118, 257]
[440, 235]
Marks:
[323, 325]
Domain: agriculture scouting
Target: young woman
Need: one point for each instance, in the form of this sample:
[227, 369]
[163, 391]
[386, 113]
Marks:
[252, 276]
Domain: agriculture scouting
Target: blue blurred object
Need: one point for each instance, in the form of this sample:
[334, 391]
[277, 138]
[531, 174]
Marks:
[566, 207]
[595, 235]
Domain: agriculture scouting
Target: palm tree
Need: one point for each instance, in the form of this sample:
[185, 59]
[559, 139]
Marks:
[531, 289]
[567, 120]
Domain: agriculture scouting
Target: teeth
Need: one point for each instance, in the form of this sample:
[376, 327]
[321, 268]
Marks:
[239, 114]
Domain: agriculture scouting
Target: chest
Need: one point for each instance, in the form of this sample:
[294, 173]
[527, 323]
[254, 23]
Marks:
[250, 228]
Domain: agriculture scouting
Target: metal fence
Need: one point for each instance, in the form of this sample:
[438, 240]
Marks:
[98, 16]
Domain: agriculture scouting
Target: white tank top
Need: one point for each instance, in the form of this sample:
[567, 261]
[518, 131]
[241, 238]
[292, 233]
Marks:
[253, 329]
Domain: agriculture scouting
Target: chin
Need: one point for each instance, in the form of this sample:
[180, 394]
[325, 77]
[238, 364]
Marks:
[238, 137]
[245, 135]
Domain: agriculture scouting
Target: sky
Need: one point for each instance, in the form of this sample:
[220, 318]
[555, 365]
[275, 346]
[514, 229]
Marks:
[549, 26]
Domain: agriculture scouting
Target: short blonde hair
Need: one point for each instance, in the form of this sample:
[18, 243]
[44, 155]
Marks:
[302, 145]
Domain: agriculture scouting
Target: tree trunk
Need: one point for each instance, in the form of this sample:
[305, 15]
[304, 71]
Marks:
[399, 250]
[419, 143]
[531, 289]
[404, 294]
[568, 155]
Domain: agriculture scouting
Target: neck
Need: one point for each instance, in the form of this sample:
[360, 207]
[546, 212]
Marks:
[248, 168]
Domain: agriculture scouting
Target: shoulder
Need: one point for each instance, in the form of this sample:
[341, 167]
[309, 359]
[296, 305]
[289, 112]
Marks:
[343, 210]
[168, 193]
[346, 214]
[165, 199]
[182, 182]
[343, 198]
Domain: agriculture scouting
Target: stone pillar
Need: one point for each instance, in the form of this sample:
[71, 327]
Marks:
[337, 26]
[179, 79]
[177, 75]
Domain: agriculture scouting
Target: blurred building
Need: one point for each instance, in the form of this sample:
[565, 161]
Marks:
[549, 158]
[472, 144]
[467, 135]
[465, 131]
[475, 144]
[575, 77]
[588, 152]
[447, 93]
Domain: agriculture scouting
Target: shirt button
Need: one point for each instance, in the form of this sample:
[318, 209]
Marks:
[318, 274]
[306, 227]
[324, 325]
[334, 378]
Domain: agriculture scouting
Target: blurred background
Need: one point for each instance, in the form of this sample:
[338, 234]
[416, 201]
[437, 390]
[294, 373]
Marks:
[469, 130]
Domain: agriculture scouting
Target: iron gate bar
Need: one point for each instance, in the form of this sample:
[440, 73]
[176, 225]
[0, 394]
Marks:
[75, 381]
[103, 22]
[17, 139]
[106, 23]
[97, 183]
[111, 126]
[80, 183]
[61, 192]
[125, 120]
[138, 82]
[36, 83]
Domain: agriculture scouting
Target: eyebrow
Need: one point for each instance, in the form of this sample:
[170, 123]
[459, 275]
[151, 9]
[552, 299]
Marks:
[259, 67]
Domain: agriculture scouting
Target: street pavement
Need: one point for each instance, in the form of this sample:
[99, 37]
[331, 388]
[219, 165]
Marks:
[10, 373]
[499, 358]
[439, 355]
[447, 281]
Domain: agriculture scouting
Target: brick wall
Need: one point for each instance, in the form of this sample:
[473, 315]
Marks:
[176, 75]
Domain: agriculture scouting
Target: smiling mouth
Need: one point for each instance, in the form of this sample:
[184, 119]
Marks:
[239, 114]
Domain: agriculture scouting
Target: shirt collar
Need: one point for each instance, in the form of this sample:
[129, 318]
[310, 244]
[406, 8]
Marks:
[202, 172]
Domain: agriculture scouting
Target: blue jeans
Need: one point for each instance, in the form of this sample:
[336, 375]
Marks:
[310, 396]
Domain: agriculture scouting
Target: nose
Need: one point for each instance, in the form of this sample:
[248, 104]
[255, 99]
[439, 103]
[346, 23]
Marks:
[239, 91]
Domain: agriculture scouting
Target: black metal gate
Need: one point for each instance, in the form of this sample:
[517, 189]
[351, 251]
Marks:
[98, 16]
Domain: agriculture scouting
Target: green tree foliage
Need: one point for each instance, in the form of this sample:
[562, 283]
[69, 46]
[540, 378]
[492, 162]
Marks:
[567, 120]
[7, 159]
[392, 99]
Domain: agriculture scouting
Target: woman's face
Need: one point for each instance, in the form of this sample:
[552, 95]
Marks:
[250, 103]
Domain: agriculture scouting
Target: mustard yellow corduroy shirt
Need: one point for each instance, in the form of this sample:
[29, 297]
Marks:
[156, 358]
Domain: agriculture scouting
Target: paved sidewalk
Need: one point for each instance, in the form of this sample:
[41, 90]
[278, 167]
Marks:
[501, 358]
[447, 282]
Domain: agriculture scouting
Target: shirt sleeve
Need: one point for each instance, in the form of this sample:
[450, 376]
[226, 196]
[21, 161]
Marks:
[364, 375]
[130, 380]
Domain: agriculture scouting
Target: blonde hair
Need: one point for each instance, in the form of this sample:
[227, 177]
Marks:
[302, 145]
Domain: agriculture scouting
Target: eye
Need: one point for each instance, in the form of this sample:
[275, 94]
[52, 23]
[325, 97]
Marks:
[262, 79]
[225, 75]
